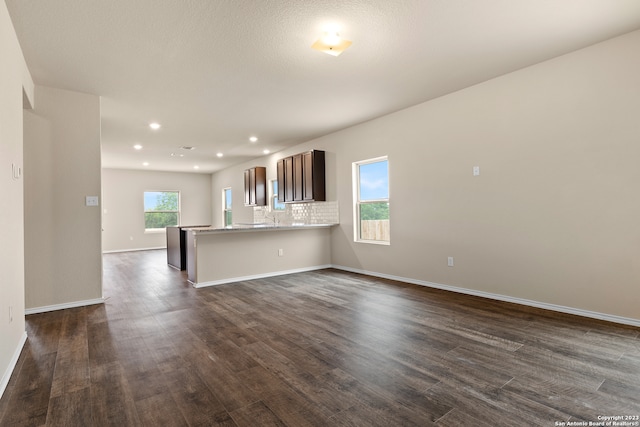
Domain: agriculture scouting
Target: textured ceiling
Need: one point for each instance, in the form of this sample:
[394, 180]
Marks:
[215, 72]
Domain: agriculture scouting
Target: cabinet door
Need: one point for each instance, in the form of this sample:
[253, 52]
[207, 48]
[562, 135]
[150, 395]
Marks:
[281, 182]
[260, 186]
[298, 182]
[288, 179]
[255, 186]
[252, 186]
[308, 175]
[301, 177]
[319, 189]
[247, 188]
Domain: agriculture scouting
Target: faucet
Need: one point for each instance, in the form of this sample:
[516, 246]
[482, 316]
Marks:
[273, 218]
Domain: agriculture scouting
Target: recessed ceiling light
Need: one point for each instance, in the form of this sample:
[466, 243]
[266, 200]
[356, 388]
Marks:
[145, 164]
[253, 139]
[138, 147]
[219, 154]
[265, 151]
[154, 126]
[196, 167]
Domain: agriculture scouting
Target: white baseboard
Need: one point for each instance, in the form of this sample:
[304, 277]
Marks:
[63, 306]
[12, 364]
[258, 276]
[133, 250]
[521, 301]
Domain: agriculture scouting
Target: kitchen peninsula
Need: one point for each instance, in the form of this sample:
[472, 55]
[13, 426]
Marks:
[244, 252]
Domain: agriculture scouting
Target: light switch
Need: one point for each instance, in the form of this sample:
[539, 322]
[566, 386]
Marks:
[91, 201]
[16, 171]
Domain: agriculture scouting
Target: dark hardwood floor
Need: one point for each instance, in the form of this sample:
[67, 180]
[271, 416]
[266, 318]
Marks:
[325, 348]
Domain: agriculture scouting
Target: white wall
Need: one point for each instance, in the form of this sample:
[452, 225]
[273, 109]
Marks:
[123, 207]
[232, 178]
[63, 263]
[14, 76]
[553, 216]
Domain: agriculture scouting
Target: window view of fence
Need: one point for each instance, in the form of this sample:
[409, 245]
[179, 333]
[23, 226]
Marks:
[372, 200]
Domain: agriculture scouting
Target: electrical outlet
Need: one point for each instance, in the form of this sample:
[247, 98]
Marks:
[450, 261]
[91, 201]
[280, 252]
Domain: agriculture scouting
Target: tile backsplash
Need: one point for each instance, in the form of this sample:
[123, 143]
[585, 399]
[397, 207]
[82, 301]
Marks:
[305, 213]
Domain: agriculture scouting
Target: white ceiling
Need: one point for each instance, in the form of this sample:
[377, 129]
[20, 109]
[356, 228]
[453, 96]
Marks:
[215, 72]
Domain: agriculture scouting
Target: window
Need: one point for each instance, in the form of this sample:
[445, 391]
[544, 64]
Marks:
[227, 203]
[275, 204]
[371, 195]
[161, 209]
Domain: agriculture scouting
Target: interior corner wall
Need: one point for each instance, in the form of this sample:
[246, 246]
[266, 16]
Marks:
[553, 216]
[233, 178]
[63, 262]
[14, 76]
[123, 206]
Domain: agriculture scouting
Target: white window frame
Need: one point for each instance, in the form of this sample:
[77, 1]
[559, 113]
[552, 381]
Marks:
[356, 200]
[273, 197]
[144, 211]
[224, 206]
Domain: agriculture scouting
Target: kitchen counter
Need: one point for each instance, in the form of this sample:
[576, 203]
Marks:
[176, 245]
[217, 255]
[255, 227]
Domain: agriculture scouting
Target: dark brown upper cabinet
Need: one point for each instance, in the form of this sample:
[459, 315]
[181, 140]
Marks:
[255, 186]
[281, 167]
[297, 178]
[301, 178]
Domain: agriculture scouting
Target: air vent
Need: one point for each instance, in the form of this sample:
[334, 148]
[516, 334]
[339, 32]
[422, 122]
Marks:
[186, 147]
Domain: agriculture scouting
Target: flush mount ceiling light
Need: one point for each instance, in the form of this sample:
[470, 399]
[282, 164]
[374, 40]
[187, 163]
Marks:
[253, 139]
[138, 147]
[219, 154]
[154, 126]
[331, 42]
